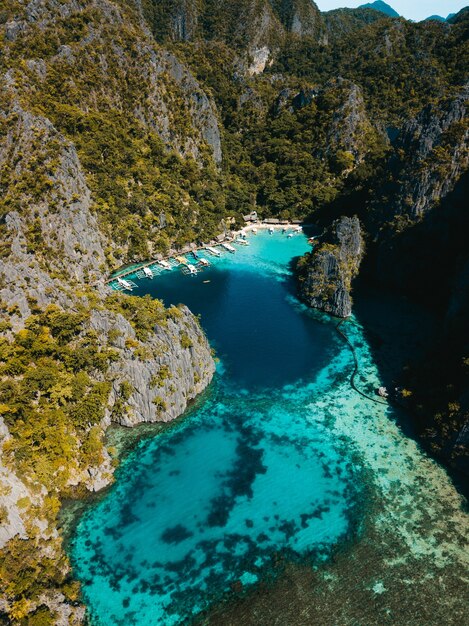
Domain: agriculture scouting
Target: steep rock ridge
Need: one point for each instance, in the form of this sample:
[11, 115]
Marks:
[178, 366]
[164, 84]
[246, 24]
[12, 491]
[202, 109]
[301, 17]
[255, 28]
[436, 148]
[184, 18]
[349, 133]
[47, 229]
[326, 273]
[434, 157]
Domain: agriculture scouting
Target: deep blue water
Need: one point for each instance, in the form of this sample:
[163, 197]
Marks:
[245, 477]
[249, 314]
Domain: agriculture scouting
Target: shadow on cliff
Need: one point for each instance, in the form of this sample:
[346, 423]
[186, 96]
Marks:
[413, 300]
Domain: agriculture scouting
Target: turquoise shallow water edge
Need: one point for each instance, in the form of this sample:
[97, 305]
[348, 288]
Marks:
[280, 459]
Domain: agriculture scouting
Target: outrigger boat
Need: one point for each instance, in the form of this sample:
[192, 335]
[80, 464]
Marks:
[165, 265]
[185, 266]
[125, 284]
[188, 269]
[229, 247]
[148, 273]
[213, 251]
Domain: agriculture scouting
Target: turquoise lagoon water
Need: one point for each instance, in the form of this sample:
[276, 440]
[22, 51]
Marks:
[245, 476]
[263, 466]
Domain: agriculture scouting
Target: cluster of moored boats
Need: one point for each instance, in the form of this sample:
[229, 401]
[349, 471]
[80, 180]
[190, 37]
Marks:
[190, 264]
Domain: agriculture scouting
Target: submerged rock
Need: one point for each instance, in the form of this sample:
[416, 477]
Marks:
[326, 273]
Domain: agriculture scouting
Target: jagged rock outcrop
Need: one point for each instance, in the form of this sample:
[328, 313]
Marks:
[12, 491]
[184, 19]
[415, 218]
[288, 99]
[436, 152]
[202, 109]
[301, 17]
[166, 88]
[179, 366]
[349, 133]
[49, 231]
[326, 273]
[253, 27]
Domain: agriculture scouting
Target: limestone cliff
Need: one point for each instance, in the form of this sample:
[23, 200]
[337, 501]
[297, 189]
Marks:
[176, 368]
[349, 133]
[326, 273]
[301, 17]
[255, 28]
[164, 93]
[435, 149]
[412, 214]
[419, 223]
[129, 360]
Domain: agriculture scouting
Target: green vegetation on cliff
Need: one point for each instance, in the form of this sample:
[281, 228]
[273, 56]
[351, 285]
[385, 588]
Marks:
[114, 120]
[127, 110]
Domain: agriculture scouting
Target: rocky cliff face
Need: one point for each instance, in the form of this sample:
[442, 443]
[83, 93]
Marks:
[326, 274]
[164, 90]
[48, 231]
[418, 211]
[178, 366]
[349, 133]
[255, 27]
[301, 17]
[436, 149]
[53, 253]
[420, 249]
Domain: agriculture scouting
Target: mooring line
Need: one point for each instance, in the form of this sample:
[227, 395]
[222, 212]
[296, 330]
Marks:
[355, 369]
